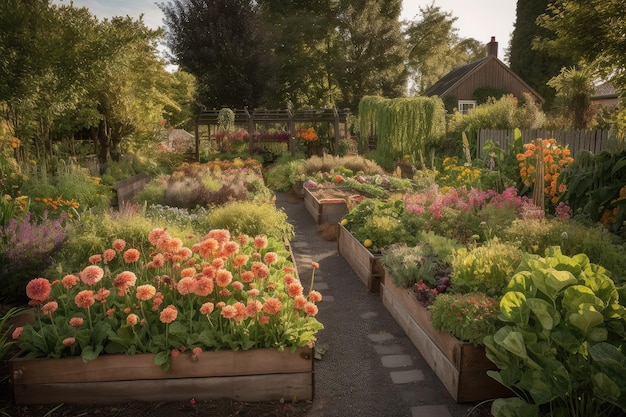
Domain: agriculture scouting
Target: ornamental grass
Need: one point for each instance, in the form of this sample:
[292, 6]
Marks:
[221, 292]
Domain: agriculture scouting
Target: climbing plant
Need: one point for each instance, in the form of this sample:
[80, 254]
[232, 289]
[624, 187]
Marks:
[402, 126]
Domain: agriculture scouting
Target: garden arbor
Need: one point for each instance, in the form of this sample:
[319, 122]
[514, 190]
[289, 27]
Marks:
[283, 117]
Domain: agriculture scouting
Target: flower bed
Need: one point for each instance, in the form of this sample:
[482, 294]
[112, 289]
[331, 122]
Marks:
[461, 367]
[251, 375]
[325, 207]
[364, 263]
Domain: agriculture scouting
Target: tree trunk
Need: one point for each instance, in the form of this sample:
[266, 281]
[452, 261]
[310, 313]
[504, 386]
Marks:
[104, 142]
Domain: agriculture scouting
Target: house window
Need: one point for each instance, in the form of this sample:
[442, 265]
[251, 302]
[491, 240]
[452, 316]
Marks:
[466, 105]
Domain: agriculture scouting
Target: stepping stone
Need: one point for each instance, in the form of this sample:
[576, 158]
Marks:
[318, 286]
[405, 377]
[329, 298]
[369, 315]
[388, 349]
[380, 337]
[299, 244]
[396, 361]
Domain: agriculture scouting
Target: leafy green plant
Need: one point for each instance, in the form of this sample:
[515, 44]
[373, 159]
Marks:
[559, 348]
[409, 264]
[6, 329]
[485, 268]
[469, 317]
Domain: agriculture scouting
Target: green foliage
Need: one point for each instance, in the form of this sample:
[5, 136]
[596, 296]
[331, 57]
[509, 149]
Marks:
[6, 329]
[409, 264]
[284, 173]
[402, 126]
[495, 114]
[153, 192]
[485, 268]
[563, 326]
[248, 218]
[469, 317]
[482, 95]
[574, 88]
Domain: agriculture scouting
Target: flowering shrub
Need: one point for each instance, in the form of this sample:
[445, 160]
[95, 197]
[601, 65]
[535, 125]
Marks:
[555, 158]
[236, 136]
[271, 137]
[27, 248]
[220, 293]
[308, 134]
[455, 175]
[469, 317]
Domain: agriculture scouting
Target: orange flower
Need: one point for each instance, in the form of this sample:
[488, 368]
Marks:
[108, 255]
[310, 309]
[119, 245]
[260, 270]
[240, 260]
[299, 302]
[221, 235]
[294, 289]
[229, 312]
[272, 305]
[223, 277]
[145, 292]
[131, 255]
[94, 259]
[17, 332]
[270, 258]
[76, 321]
[260, 242]
[132, 319]
[315, 296]
[247, 276]
[186, 285]
[230, 248]
[49, 308]
[253, 307]
[69, 281]
[69, 341]
[91, 274]
[207, 308]
[168, 314]
[85, 299]
[102, 295]
[204, 286]
[38, 289]
[188, 272]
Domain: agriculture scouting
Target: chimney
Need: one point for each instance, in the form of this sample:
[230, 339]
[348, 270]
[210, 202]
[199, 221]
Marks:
[493, 47]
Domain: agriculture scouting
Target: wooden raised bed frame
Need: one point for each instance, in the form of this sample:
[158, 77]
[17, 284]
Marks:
[324, 212]
[364, 263]
[251, 375]
[461, 367]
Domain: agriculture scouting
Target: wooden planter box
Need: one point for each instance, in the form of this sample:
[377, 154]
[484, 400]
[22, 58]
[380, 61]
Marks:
[364, 263]
[252, 375]
[461, 367]
[128, 188]
[322, 212]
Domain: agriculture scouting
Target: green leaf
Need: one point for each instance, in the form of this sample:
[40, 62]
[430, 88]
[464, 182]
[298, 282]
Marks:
[588, 318]
[604, 387]
[513, 407]
[162, 359]
[522, 282]
[546, 314]
[177, 328]
[89, 353]
[566, 340]
[514, 309]
[514, 343]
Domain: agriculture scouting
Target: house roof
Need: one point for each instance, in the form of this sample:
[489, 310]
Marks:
[605, 90]
[459, 74]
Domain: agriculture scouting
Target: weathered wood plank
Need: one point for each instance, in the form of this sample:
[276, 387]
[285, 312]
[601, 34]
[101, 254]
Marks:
[297, 386]
[367, 266]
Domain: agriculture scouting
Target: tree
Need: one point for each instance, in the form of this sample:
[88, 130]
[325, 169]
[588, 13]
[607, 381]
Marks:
[221, 44]
[435, 48]
[591, 30]
[574, 87]
[374, 51]
[534, 66]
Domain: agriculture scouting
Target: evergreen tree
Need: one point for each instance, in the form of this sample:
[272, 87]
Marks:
[219, 42]
[534, 66]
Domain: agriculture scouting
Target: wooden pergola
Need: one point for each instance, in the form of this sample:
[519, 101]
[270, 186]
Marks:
[283, 116]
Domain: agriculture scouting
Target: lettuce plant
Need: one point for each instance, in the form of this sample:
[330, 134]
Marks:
[561, 348]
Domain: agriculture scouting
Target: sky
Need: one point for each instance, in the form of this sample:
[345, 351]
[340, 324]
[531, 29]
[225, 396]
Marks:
[478, 19]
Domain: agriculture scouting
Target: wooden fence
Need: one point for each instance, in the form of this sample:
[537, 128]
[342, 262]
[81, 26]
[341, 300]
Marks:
[594, 141]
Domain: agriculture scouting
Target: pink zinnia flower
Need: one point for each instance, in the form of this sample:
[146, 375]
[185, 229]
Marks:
[38, 289]
[295, 288]
[260, 270]
[145, 292]
[260, 242]
[237, 286]
[229, 312]
[270, 257]
[315, 296]
[230, 248]
[204, 286]
[132, 319]
[108, 255]
[168, 314]
[223, 277]
[174, 245]
[221, 235]
[247, 276]
[175, 353]
[155, 235]
[76, 321]
[69, 281]
[17, 332]
[220, 304]
[289, 279]
[253, 307]
[272, 305]
[102, 295]
[188, 272]
[110, 312]
[207, 248]
[315, 265]
[240, 260]
[241, 311]
[85, 299]
[207, 308]
[119, 245]
[263, 320]
[243, 239]
[123, 281]
[49, 308]
[94, 259]
[131, 255]
[158, 260]
[310, 309]
[69, 341]
[299, 302]
[225, 292]
[217, 263]
[253, 292]
[197, 351]
[186, 285]
[91, 274]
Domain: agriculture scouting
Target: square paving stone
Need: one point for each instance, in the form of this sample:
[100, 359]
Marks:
[319, 286]
[369, 315]
[396, 361]
[405, 377]
[380, 337]
[388, 349]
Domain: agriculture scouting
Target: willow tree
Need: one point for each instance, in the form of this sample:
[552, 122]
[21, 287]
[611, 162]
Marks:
[402, 126]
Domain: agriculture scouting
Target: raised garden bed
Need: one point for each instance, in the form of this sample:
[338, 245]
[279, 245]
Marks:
[128, 188]
[252, 375]
[364, 263]
[326, 205]
[461, 367]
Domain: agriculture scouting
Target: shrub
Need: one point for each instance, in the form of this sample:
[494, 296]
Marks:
[469, 317]
[485, 269]
[409, 264]
[28, 248]
[248, 218]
